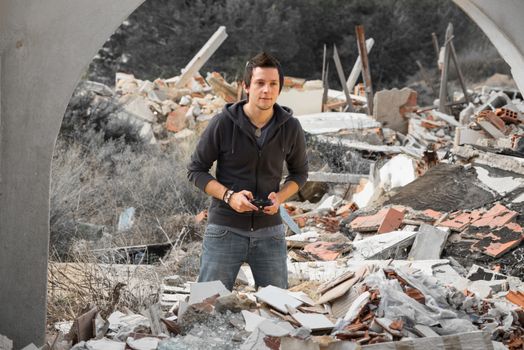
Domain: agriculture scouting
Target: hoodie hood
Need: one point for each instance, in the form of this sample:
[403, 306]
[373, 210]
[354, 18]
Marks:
[236, 113]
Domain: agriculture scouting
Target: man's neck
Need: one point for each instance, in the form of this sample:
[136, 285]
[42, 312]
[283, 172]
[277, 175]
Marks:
[257, 116]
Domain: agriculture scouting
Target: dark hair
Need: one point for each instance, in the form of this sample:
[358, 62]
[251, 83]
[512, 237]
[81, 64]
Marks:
[263, 60]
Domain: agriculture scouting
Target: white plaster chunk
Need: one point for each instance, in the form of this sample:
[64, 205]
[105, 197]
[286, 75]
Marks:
[252, 320]
[146, 343]
[313, 321]
[501, 185]
[397, 172]
[277, 298]
[364, 197]
[203, 290]
[519, 199]
[105, 344]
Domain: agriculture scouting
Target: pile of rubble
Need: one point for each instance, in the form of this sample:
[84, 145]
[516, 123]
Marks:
[423, 251]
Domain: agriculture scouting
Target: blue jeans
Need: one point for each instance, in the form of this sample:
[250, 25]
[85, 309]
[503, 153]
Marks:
[223, 252]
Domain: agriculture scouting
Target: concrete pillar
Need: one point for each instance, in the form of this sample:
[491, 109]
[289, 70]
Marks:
[45, 46]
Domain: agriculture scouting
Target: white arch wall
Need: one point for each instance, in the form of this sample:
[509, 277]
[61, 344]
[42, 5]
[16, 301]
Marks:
[502, 22]
[44, 48]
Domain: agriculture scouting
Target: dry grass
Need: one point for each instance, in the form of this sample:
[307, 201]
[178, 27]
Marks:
[74, 285]
[93, 183]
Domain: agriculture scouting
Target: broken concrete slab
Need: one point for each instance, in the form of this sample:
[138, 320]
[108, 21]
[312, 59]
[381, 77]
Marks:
[391, 108]
[429, 243]
[500, 184]
[277, 298]
[501, 161]
[203, 290]
[382, 246]
[302, 102]
[252, 320]
[332, 122]
[467, 136]
[315, 322]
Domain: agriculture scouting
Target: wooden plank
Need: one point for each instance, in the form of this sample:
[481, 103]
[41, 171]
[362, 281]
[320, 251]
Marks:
[459, 71]
[366, 74]
[201, 57]
[443, 94]
[357, 67]
[340, 72]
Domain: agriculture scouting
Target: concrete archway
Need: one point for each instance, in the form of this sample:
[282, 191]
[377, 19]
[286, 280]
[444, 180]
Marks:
[44, 48]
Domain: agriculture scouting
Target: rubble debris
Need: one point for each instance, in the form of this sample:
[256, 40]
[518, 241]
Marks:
[365, 258]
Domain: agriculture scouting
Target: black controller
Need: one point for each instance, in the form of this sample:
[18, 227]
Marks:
[261, 203]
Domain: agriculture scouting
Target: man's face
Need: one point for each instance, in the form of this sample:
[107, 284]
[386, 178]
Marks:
[264, 88]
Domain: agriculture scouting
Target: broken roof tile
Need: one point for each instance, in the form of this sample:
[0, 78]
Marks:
[497, 216]
[327, 251]
[386, 220]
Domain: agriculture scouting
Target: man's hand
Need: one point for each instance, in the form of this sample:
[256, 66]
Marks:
[272, 209]
[240, 201]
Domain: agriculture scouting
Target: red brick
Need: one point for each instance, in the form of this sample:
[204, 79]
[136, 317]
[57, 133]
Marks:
[176, 120]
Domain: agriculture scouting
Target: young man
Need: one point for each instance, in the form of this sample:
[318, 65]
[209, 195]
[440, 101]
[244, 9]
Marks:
[250, 141]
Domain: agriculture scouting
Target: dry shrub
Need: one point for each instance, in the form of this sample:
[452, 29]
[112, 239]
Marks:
[94, 182]
[74, 285]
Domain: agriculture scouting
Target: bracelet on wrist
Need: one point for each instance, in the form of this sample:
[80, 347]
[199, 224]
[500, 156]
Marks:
[228, 195]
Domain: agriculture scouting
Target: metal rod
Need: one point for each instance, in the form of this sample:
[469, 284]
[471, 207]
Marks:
[366, 75]
[340, 72]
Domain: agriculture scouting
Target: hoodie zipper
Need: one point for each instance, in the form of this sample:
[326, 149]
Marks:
[256, 188]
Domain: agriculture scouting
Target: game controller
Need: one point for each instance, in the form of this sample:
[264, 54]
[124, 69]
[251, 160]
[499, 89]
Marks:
[261, 203]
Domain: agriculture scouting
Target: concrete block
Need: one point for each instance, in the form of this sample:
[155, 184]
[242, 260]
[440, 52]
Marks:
[392, 106]
[429, 243]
